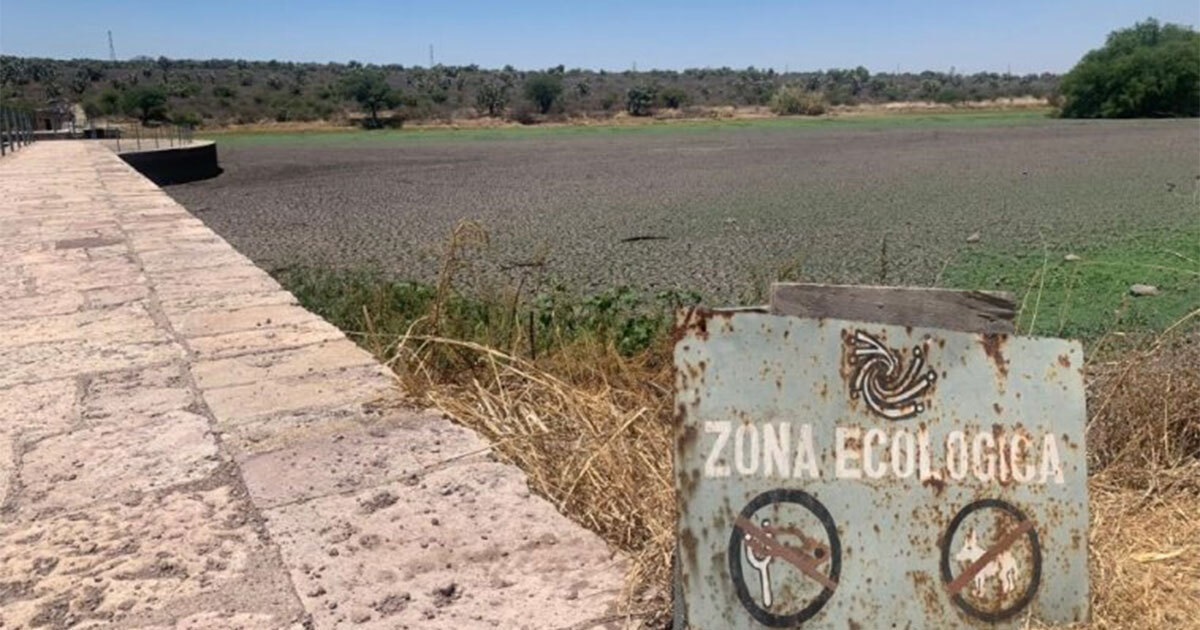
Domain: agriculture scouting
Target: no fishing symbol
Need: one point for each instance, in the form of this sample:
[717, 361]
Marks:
[784, 557]
[999, 572]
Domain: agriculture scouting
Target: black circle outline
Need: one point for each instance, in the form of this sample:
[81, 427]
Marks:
[947, 577]
[784, 495]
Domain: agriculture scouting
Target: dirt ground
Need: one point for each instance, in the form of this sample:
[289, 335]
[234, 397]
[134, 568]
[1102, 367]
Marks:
[709, 209]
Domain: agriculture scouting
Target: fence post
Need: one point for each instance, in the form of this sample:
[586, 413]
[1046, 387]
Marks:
[138, 130]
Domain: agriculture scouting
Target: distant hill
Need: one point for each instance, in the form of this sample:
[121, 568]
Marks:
[229, 91]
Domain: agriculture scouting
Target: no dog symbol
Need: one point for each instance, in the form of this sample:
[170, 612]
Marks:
[991, 560]
[785, 557]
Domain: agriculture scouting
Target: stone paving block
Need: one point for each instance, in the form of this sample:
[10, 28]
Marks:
[143, 562]
[13, 285]
[217, 320]
[435, 441]
[178, 306]
[7, 445]
[215, 281]
[105, 297]
[182, 224]
[131, 397]
[118, 250]
[174, 260]
[465, 547]
[253, 368]
[226, 621]
[130, 323]
[49, 255]
[241, 403]
[263, 339]
[59, 303]
[333, 460]
[48, 361]
[81, 467]
[39, 409]
[263, 434]
[77, 276]
[195, 246]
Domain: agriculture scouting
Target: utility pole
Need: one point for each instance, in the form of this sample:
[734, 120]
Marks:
[431, 55]
[112, 52]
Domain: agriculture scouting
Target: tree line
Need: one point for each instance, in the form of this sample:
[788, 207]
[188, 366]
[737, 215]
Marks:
[223, 91]
[1149, 69]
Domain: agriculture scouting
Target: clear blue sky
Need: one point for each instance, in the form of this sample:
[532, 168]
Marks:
[1026, 36]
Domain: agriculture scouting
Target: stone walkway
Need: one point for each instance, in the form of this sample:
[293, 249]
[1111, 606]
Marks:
[183, 446]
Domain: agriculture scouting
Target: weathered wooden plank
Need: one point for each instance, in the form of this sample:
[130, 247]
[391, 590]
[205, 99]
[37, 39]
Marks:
[967, 311]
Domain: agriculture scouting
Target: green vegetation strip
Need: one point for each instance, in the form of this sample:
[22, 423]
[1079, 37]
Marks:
[348, 135]
[1090, 297]
[1086, 299]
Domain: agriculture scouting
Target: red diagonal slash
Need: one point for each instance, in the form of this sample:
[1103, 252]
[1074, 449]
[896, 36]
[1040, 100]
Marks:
[806, 563]
[811, 546]
[1000, 547]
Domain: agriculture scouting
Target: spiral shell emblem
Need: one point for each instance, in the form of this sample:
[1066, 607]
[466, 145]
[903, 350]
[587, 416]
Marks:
[888, 387]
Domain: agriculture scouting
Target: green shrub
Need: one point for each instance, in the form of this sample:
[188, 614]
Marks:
[796, 101]
[543, 90]
[92, 110]
[1149, 70]
[948, 95]
[674, 97]
[491, 98]
[145, 103]
[370, 89]
[223, 91]
[110, 102]
[524, 114]
[609, 101]
[639, 101]
[186, 118]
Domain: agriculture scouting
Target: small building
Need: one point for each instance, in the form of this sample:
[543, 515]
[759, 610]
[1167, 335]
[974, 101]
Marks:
[57, 115]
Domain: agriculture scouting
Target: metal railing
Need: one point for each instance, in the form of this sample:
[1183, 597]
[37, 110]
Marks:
[136, 137]
[16, 128]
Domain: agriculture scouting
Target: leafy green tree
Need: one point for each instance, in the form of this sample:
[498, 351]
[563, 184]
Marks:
[80, 82]
[674, 97]
[794, 100]
[491, 97]
[639, 101]
[1149, 70]
[370, 89]
[110, 102]
[543, 90]
[145, 103]
[91, 109]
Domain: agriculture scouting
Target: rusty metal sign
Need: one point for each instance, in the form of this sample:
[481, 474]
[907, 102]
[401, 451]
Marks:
[842, 474]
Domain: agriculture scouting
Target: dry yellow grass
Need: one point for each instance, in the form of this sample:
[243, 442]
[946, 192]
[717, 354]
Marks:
[467, 119]
[593, 431]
